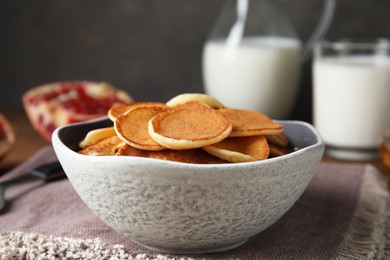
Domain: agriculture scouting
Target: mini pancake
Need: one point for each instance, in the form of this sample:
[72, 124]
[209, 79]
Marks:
[240, 149]
[250, 123]
[187, 129]
[187, 97]
[132, 127]
[197, 156]
[128, 150]
[117, 110]
[275, 151]
[279, 140]
[108, 146]
[96, 136]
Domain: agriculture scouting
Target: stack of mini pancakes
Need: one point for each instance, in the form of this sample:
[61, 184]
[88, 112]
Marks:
[190, 128]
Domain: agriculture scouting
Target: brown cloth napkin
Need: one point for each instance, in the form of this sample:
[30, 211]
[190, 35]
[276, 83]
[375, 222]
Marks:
[343, 214]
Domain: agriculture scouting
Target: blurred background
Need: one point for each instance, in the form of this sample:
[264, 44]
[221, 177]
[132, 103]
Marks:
[150, 48]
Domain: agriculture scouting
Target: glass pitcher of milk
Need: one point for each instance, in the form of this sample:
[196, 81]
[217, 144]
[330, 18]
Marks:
[253, 56]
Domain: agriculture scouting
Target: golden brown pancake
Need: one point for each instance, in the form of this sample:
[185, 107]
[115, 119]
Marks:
[117, 110]
[132, 127]
[190, 128]
[240, 149]
[108, 146]
[187, 129]
[128, 150]
[250, 123]
[275, 151]
[279, 140]
[186, 156]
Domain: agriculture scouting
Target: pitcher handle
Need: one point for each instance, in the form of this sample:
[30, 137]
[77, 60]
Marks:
[321, 29]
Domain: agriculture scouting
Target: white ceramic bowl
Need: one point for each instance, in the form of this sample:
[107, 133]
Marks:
[188, 208]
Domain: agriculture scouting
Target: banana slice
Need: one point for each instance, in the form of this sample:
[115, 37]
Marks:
[192, 105]
[187, 97]
[97, 135]
[108, 146]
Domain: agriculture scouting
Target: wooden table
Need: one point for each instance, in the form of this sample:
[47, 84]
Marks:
[28, 141]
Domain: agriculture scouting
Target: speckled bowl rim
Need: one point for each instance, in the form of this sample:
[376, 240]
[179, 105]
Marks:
[317, 143]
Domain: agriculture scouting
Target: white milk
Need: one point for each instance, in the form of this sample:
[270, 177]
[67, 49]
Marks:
[351, 98]
[261, 74]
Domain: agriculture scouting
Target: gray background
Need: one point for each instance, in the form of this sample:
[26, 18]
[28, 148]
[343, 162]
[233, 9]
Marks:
[150, 48]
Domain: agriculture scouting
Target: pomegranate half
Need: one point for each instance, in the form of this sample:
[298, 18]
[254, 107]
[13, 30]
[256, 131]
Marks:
[7, 136]
[56, 104]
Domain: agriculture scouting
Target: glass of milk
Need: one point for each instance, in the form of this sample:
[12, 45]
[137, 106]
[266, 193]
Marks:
[351, 96]
[261, 74]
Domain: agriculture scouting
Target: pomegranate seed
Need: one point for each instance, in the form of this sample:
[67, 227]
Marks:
[50, 127]
[86, 104]
[2, 132]
[40, 119]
